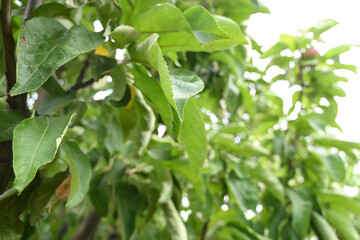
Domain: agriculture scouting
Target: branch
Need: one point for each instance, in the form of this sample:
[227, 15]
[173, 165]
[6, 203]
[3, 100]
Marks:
[79, 81]
[81, 85]
[87, 228]
[30, 7]
[17, 103]
[204, 230]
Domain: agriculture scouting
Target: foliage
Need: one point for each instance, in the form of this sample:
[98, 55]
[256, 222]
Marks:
[161, 127]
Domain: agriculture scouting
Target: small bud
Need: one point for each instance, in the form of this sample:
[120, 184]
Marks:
[310, 53]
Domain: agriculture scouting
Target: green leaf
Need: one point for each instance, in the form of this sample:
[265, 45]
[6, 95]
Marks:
[334, 164]
[42, 195]
[124, 35]
[226, 142]
[45, 45]
[162, 18]
[185, 84]
[203, 24]
[323, 26]
[329, 141]
[193, 135]
[35, 143]
[272, 183]
[129, 201]
[99, 194]
[8, 121]
[274, 50]
[343, 225]
[244, 191]
[213, 31]
[114, 139]
[80, 169]
[149, 52]
[53, 103]
[301, 212]
[248, 101]
[336, 51]
[179, 85]
[235, 66]
[119, 79]
[138, 122]
[351, 204]
[131, 9]
[322, 228]
[174, 222]
[153, 91]
[101, 65]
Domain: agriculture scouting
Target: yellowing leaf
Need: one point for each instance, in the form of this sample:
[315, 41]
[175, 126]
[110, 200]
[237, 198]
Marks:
[131, 102]
[100, 50]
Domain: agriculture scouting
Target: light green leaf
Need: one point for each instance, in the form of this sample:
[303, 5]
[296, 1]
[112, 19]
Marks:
[8, 121]
[44, 45]
[35, 143]
[274, 50]
[149, 52]
[326, 196]
[174, 222]
[203, 24]
[226, 142]
[272, 183]
[235, 66]
[131, 9]
[185, 84]
[124, 35]
[322, 227]
[329, 141]
[248, 101]
[193, 135]
[80, 169]
[337, 51]
[343, 225]
[162, 18]
[301, 211]
[322, 27]
[334, 164]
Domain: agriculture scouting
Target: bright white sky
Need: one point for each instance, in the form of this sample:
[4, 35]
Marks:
[288, 16]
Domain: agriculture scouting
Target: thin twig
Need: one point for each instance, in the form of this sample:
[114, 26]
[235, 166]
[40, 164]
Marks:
[79, 81]
[204, 230]
[30, 7]
[87, 228]
[81, 85]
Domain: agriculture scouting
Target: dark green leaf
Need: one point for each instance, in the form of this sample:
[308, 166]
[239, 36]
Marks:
[8, 121]
[322, 227]
[35, 143]
[45, 45]
[80, 169]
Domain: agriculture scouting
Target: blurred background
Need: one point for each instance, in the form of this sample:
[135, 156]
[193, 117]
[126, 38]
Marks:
[289, 16]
